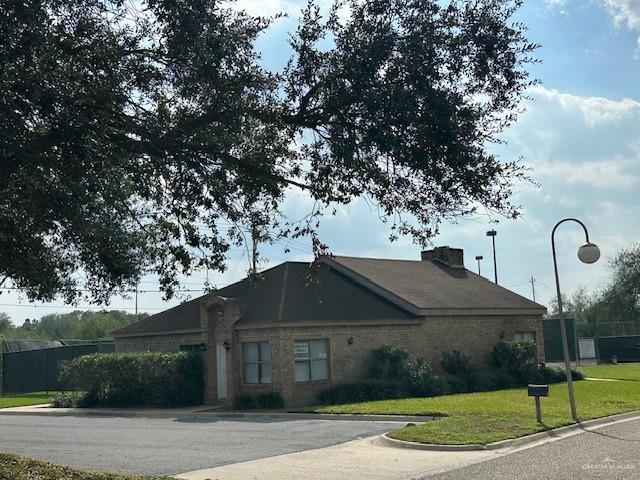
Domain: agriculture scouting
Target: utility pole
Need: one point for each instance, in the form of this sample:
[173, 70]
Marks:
[136, 302]
[533, 288]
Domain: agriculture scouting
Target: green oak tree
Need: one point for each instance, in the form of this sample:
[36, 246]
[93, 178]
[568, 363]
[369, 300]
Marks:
[140, 136]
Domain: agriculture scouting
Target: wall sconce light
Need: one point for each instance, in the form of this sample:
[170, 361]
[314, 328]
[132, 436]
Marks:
[226, 345]
[350, 340]
[502, 335]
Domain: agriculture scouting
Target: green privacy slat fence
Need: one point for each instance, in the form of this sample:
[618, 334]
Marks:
[623, 348]
[553, 339]
[38, 370]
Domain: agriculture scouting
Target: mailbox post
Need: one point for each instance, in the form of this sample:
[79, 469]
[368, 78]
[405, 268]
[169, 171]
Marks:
[538, 391]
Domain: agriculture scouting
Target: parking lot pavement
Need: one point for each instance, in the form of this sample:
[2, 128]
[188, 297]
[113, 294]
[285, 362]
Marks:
[170, 446]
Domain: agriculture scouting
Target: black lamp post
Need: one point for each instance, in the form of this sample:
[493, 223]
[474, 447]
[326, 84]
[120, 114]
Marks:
[587, 253]
[478, 258]
[492, 234]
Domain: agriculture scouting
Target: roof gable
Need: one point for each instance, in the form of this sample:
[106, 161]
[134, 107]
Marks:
[426, 287]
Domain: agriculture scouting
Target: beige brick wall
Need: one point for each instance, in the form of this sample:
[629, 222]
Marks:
[157, 343]
[475, 336]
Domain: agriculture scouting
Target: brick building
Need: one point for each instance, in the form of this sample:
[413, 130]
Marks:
[300, 329]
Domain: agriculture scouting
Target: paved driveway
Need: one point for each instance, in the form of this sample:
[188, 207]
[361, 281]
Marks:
[169, 446]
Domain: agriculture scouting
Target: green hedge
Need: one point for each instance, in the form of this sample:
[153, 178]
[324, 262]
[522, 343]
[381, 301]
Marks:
[247, 401]
[396, 375]
[136, 379]
[364, 391]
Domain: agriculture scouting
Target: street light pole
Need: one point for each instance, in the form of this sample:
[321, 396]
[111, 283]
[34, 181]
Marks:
[587, 253]
[478, 258]
[492, 234]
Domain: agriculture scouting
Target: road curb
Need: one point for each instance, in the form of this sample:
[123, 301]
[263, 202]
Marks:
[393, 442]
[558, 432]
[80, 412]
[513, 442]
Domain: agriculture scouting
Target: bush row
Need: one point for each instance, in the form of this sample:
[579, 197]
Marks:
[395, 375]
[247, 401]
[135, 379]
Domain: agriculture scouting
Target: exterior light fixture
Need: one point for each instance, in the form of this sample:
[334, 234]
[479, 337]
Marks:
[587, 253]
[478, 258]
[492, 234]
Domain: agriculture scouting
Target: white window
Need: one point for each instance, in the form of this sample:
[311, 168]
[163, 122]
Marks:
[311, 360]
[525, 336]
[257, 362]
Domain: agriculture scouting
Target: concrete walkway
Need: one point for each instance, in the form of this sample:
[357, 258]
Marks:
[362, 459]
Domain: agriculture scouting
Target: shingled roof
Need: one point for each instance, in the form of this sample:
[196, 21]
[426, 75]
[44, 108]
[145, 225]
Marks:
[427, 287]
[290, 293]
[349, 289]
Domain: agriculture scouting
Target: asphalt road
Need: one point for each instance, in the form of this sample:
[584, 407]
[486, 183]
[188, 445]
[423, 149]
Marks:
[169, 446]
[611, 453]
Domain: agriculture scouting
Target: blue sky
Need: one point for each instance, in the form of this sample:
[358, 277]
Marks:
[580, 135]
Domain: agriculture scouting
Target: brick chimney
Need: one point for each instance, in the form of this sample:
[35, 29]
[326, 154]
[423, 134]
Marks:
[451, 257]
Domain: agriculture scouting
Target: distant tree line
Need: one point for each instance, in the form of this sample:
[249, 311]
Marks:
[615, 309]
[77, 325]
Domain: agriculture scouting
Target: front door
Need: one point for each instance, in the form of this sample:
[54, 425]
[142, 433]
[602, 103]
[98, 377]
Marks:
[221, 370]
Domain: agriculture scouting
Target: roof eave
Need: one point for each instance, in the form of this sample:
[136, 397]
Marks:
[156, 333]
[468, 312]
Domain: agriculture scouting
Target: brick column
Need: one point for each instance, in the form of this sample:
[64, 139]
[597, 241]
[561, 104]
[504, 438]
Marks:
[218, 316]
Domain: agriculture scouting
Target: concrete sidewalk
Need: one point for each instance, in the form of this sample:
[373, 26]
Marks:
[362, 459]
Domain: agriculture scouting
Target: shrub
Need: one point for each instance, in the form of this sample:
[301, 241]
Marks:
[456, 363]
[577, 375]
[389, 361]
[248, 401]
[69, 400]
[544, 374]
[462, 377]
[488, 380]
[420, 381]
[363, 391]
[244, 401]
[136, 379]
[270, 400]
[517, 357]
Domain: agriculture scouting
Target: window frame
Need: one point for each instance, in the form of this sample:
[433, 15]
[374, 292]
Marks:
[522, 334]
[310, 361]
[260, 363]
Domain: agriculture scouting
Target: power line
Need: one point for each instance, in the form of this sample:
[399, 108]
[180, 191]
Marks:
[78, 307]
[88, 290]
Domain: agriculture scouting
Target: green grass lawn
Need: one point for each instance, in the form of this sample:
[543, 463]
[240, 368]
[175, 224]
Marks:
[25, 399]
[485, 417]
[625, 371]
[21, 468]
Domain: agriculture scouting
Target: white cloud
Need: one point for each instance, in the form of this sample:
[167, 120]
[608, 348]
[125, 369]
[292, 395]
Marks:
[614, 173]
[595, 110]
[625, 13]
[266, 8]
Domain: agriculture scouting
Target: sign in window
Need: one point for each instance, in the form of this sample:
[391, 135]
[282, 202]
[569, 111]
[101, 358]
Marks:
[311, 360]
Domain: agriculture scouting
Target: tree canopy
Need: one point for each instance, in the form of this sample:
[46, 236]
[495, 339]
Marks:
[614, 310]
[144, 136]
[77, 325]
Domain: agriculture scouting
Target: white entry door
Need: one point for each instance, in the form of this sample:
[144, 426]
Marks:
[221, 370]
